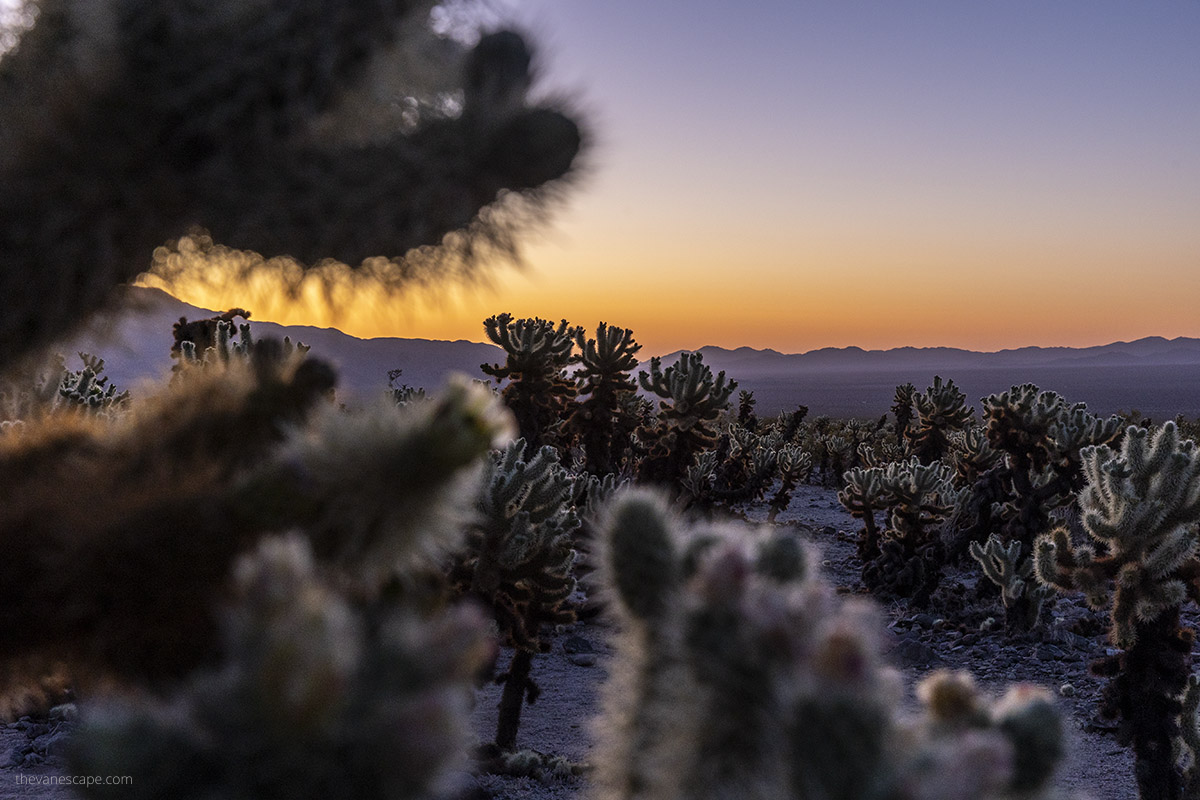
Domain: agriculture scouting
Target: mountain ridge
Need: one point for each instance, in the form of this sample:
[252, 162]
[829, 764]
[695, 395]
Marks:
[1155, 374]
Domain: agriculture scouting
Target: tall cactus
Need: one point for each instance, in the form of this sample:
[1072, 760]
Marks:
[539, 392]
[738, 675]
[518, 563]
[1141, 505]
[602, 422]
[691, 400]
[941, 409]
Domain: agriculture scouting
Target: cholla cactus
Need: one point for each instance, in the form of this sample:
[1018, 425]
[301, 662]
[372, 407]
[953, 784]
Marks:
[745, 413]
[518, 563]
[864, 494]
[738, 675]
[603, 422]
[906, 557]
[692, 399]
[1141, 505]
[941, 409]
[194, 346]
[1005, 566]
[279, 127]
[1038, 438]
[314, 699]
[902, 409]
[539, 392]
[88, 389]
[794, 467]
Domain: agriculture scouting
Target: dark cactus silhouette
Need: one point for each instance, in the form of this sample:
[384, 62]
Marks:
[691, 400]
[603, 422]
[539, 391]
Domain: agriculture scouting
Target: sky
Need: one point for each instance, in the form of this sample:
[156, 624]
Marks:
[797, 175]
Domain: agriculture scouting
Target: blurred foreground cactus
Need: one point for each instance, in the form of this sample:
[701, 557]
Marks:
[1141, 506]
[739, 675]
[314, 698]
[316, 129]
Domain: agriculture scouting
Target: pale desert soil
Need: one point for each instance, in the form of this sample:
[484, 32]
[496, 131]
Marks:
[1097, 767]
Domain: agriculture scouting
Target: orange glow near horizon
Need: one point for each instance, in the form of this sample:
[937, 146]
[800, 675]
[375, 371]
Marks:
[881, 175]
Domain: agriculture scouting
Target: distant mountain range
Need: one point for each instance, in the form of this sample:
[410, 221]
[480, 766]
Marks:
[1160, 377]
[136, 348]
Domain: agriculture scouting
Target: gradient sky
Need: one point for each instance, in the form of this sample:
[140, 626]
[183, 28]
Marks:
[798, 175]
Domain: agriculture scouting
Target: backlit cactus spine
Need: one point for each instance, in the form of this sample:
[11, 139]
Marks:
[739, 676]
[692, 399]
[603, 423]
[518, 562]
[941, 409]
[539, 393]
[1141, 505]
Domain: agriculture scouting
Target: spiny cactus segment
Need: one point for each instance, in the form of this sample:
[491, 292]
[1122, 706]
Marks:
[539, 392]
[1141, 506]
[518, 563]
[605, 421]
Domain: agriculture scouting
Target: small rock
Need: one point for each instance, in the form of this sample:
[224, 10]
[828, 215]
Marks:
[1066, 690]
[579, 651]
[577, 644]
[926, 621]
[828, 530]
[911, 652]
[66, 712]
[582, 659]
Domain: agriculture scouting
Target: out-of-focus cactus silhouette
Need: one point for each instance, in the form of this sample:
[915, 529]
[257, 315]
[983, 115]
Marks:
[539, 391]
[1141, 506]
[314, 698]
[280, 128]
[739, 675]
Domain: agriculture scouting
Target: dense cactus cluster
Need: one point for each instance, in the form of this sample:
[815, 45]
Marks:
[1030, 467]
[256, 593]
[905, 557]
[739, 676]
